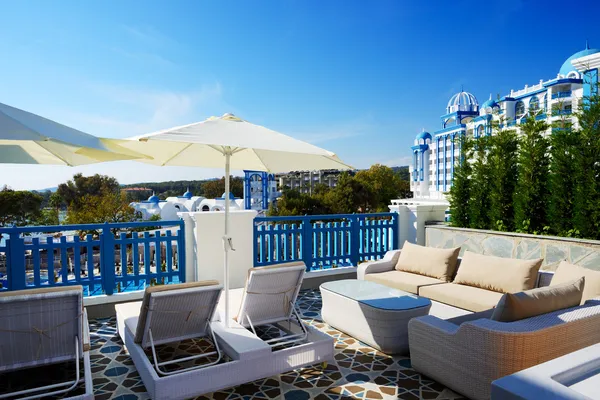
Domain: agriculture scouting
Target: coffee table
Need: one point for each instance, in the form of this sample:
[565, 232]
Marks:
[372, 313]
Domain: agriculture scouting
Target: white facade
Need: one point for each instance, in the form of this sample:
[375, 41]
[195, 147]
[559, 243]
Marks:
[305, 181]
[434, 156]
[167, 209]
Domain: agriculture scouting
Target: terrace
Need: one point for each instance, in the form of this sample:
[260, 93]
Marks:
[115, 262]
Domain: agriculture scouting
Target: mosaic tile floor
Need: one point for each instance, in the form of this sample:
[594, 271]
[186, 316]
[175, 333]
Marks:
[359, 371]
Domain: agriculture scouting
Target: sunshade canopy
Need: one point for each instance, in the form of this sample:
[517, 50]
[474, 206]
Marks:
[27, 138]
[253, 147]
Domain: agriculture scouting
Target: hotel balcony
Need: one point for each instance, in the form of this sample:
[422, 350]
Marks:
[561, 95]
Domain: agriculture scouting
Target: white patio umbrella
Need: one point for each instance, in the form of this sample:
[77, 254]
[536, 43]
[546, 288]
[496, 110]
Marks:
[27, 138]
[234, 143]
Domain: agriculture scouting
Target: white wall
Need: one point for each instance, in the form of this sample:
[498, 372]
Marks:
[205, 258]
[412, 219]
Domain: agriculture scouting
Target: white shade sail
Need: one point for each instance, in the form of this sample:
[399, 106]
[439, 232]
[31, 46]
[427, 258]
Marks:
[27, 138]
[253, 147]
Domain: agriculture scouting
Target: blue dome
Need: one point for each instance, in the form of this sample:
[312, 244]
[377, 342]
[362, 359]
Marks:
[568, 67]
[489, 103]
[188, 194]
[462, 101]
[153, 199]
[423, 135]
[231, 196]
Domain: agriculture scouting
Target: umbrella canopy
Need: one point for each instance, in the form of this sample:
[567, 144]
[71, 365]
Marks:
[231, 142]
[27, 138]
[203, 144]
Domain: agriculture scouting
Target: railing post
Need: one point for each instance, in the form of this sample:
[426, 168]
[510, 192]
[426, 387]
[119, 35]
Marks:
[307, 242]
[181, 250]
[15, 264]
[107, 259]
[354, 239]
[395, 224]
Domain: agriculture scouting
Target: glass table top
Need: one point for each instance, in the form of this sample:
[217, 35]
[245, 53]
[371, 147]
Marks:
[376, 295]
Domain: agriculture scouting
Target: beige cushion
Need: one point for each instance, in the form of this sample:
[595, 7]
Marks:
[527, 304]
[403, 280]
[465, 297]
[504, 275]
[139, 332]
[428, 261]
[567, 272]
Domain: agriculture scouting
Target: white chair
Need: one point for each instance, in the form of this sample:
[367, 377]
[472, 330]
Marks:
[269, 299]
[169, 314]
[39, 327]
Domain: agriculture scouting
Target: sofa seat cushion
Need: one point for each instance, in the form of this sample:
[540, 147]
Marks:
[567, 272]
[461, 296]
[428, 261]
[504, 275]
[538, 301]
[403, 280]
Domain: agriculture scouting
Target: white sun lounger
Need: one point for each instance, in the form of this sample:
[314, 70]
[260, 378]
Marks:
[40, 327]
[170, 314]
[269, 298]
[249, 357]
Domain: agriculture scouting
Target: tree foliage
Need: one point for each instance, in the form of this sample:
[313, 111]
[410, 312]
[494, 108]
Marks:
[480, 186]
[531, 194]
[502, 158]
[216, 188]
[19, 207]
[586, 197]
[73, 192]
[367, 191]
[108, 206]
[460, 191]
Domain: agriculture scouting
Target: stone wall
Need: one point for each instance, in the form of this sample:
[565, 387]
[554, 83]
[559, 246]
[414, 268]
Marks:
[553, 250]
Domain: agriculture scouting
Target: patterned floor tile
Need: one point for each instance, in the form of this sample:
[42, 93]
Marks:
[359, 371]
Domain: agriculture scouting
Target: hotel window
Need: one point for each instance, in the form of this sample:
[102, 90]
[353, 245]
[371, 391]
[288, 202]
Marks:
[519, 109]
[480, 131]
[546, 102]
[534, 104]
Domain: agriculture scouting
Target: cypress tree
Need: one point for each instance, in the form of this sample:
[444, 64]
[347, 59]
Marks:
[531, 194]
[479, 203]
[562, 178]
[460, 191]
[502, 160]
[586, 216]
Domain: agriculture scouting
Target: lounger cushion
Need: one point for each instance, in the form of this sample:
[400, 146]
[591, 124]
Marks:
[534, 302]
[403, 280]
[504, 275]
[461, 296]
[139, 332]
[428, 261]
[567, 272]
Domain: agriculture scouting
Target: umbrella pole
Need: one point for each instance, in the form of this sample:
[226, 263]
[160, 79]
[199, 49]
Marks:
[226, 238]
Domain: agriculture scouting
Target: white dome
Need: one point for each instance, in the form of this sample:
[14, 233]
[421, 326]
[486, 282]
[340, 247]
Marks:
[463, 101]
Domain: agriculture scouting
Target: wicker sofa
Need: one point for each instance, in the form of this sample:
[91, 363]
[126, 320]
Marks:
[467, 356]
[448, 299]
[469, 351]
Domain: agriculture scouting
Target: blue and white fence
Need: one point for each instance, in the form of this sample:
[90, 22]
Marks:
[104, 263]
[324, 241]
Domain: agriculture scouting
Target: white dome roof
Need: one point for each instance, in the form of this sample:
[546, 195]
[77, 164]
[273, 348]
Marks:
[463, 101]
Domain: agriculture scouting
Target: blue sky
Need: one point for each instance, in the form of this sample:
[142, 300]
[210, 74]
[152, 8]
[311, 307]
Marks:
[360, 78]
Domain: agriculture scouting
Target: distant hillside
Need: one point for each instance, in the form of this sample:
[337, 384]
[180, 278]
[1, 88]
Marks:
[403, 172]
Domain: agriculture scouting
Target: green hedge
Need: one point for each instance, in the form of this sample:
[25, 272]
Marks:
[532, 182]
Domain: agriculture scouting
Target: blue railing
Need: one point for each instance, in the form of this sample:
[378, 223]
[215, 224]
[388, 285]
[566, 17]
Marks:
[324, 241]
[560, 95]
[115, 258]
[540, 117]
[562, 112]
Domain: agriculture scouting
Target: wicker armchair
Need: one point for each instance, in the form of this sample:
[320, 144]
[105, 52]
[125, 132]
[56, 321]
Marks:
[467, 357]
